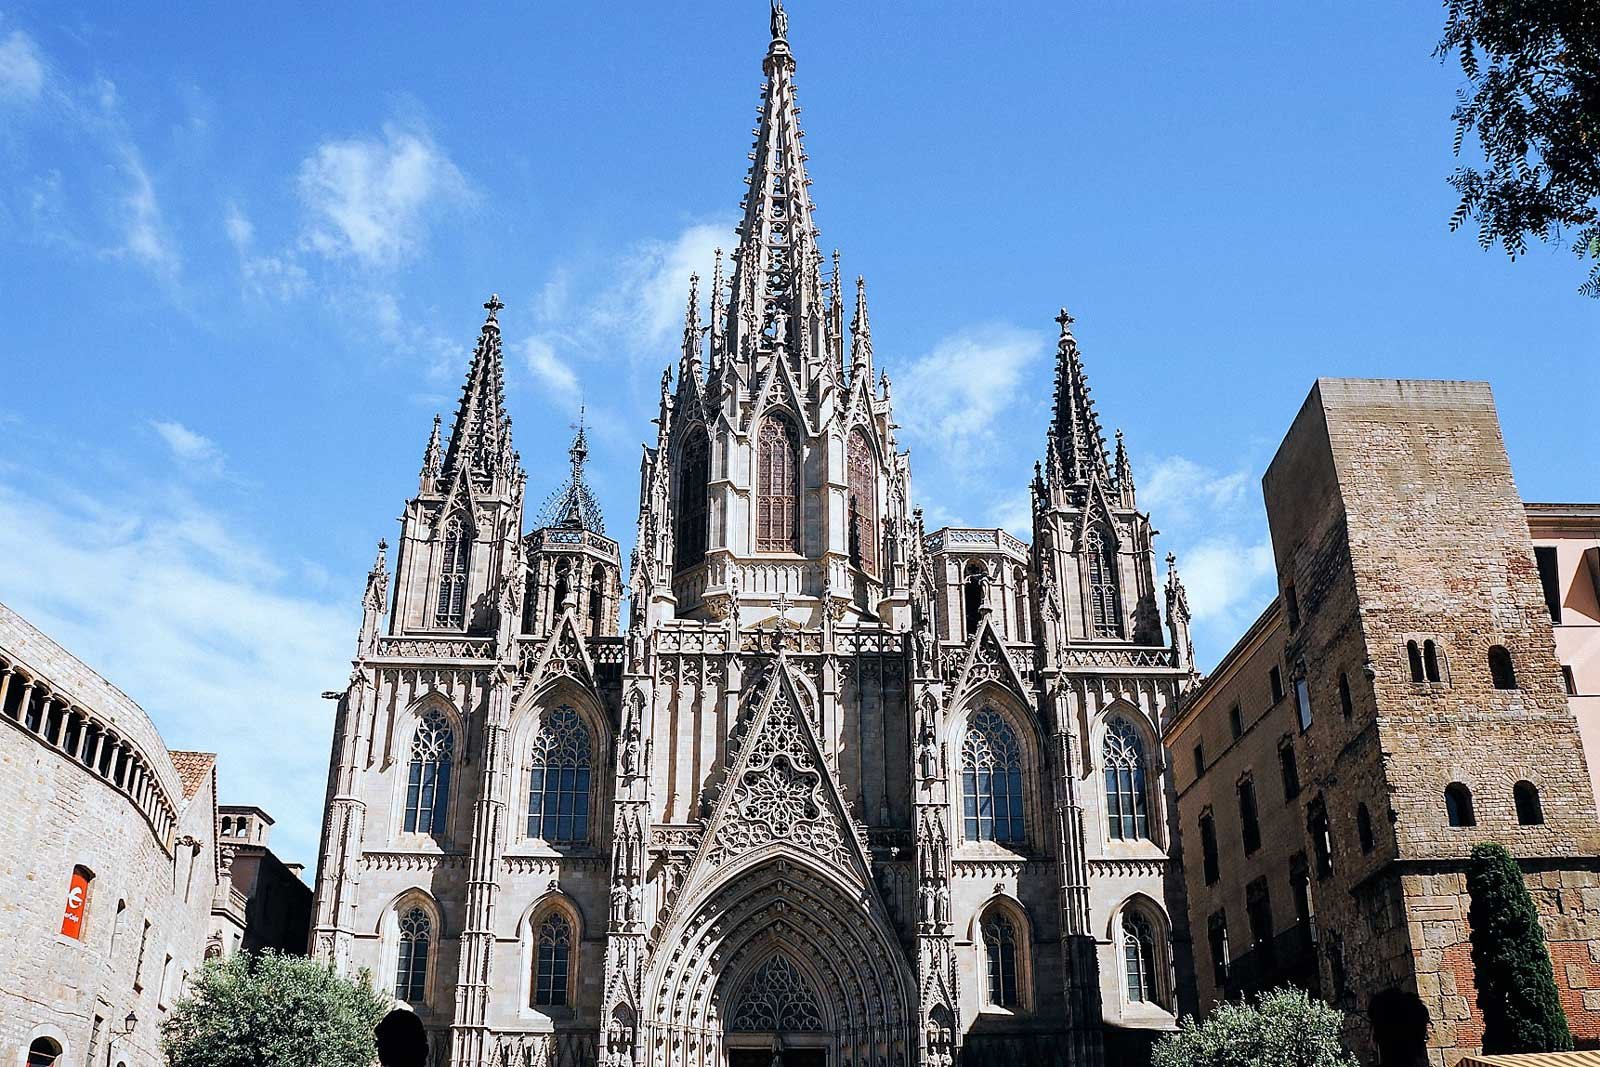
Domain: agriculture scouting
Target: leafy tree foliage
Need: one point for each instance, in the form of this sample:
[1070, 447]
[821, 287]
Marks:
[1533, 100]
[273, 1010]
[1281, 1028]
[1516, 985]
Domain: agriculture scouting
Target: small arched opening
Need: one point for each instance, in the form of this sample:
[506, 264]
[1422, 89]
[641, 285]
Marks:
[1501, 670]
[402, 1040]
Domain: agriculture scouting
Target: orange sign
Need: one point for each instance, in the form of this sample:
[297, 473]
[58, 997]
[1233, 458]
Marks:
[77, 901]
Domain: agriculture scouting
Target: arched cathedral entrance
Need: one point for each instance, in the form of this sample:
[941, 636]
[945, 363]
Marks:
[776, 1019]
[780, 965]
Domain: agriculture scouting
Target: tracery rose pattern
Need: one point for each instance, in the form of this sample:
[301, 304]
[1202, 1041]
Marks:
[776, 1000]
[776, 796]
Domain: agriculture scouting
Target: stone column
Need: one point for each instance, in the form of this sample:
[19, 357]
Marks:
[1084, 1013]
[343, 828]
[470, 1040]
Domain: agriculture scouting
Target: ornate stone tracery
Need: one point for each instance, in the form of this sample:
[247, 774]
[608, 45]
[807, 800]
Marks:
[777, 999]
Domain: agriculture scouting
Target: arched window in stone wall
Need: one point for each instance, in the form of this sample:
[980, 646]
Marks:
[411, 967]
[553, 945]
[43, 1052]
[454, 568]
[862, 475]
[1501, 671]
[428, 777]
[991, 781]
[1125, 773]
[1140, 960]
[777, 486]
[1001, 960]
[1530, 812]
[597, 601]
[1458, 805]
[690, 517]
[1100, 561]
[559, 778]
[1019, 592]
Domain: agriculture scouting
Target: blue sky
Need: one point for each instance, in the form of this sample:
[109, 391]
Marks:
[242, 258]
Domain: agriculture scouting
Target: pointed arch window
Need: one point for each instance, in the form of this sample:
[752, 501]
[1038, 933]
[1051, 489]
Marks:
[1125, 782]
[972, 597]
[558, 778]
[597, 600]
[863, 480]
[991, 780]
[454, 567]
[1139, 958]
[1019, 579]
[690, 517]
[411, 969]
[553, 961]
[777, 488]
[1000, 954]
[563, 586]
[1105, 605]
[428, 782]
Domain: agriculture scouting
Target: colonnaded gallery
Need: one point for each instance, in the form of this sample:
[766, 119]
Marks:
[840, 791]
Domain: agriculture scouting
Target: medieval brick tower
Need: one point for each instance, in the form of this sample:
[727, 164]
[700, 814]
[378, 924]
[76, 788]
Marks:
[845, 792]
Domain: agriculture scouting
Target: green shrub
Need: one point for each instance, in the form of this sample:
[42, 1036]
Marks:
[1280, 1028]
[272, 1010]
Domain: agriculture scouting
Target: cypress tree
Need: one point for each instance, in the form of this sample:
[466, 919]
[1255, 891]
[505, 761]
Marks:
[1516, 984]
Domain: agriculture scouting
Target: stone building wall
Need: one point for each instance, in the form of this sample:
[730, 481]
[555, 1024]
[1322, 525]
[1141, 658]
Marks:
[1402, 559]
[155, 885]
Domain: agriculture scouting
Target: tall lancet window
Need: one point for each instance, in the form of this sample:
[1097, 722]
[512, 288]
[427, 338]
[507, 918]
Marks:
[411, 965]
[428, 787]
[554, 961]
[689, 509]
[454, 566]
[777, 486]
[1125, 782]
[991, 781]
[863, 480]
[597, 601]
[1000, 950]
[558, 778]
[1105, 606]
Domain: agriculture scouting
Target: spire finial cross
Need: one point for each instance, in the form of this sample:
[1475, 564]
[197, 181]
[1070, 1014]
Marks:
[1065, 320]
[493, 306]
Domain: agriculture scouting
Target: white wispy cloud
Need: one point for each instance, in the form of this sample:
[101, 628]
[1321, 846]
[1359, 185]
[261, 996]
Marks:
[371, 198]
[549, 369]
[954, 399]
[278, 276]
[197, 624]
[145, 236]
[197, 453]
[22, 70]
[1216, 524]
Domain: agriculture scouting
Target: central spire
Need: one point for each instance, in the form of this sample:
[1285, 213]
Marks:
[1075, 430]
[777, 274]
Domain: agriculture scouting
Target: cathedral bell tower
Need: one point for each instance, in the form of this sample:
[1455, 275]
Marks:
[459, 536]
[572, 566]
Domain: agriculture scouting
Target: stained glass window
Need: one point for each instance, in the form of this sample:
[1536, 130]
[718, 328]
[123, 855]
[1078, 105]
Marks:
[558, 778]
[991, 780]
[554, 958]
[1125, 784]
[777, 486]
[451, 609]
[411, 973]
[428, 786]
[863, 479]
[1000, 949]
[1105, 606]
[1139, 953]
[689, 529]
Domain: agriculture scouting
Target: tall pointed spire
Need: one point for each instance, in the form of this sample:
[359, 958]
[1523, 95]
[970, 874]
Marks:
[777, 264]
[1075, 427]
[432, 457]
[573, 506]
[861, 335]
[689, 367]
[480, 437]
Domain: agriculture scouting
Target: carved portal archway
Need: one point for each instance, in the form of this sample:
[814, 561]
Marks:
[807, 936]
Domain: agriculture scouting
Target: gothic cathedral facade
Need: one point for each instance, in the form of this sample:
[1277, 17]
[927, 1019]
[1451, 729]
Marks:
[841, 792]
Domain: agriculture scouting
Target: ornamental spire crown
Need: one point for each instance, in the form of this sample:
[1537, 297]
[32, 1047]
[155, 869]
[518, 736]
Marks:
[776, 266]
[480, 437]
[1075, 434]
[573, 506]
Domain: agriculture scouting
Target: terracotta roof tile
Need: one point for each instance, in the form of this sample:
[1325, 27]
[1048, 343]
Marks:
[192, 769]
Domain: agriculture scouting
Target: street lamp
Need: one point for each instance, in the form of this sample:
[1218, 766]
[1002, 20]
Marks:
[130, 1023]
